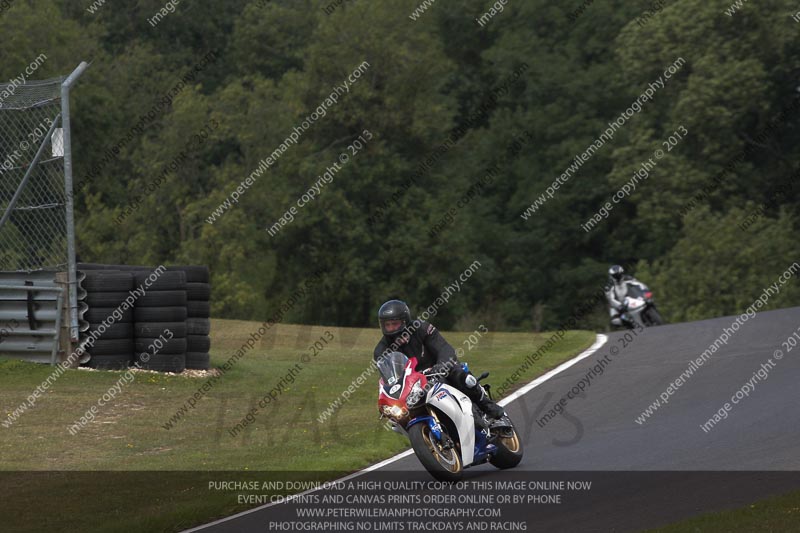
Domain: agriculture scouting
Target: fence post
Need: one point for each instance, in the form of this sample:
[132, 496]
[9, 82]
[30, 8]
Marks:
[71, 263]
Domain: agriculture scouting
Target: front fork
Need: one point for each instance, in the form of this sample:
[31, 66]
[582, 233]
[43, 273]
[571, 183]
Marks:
[436, 428]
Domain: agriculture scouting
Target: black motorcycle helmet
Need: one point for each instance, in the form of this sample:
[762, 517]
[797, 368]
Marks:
[394, 310]
[616, 272]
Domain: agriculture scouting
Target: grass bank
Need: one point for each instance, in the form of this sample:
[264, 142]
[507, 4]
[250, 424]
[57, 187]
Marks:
[151, 427]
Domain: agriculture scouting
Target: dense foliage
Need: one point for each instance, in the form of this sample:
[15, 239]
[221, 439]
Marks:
[437, 88]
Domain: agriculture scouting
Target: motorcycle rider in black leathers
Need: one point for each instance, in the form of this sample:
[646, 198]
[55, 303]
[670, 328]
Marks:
[431, 350]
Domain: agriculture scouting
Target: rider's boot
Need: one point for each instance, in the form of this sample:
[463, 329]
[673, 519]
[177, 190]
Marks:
[485, 404]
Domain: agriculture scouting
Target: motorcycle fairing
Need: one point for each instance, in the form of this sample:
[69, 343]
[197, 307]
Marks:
[458, 407]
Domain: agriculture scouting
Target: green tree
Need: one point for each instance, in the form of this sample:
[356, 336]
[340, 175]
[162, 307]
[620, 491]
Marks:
[717, 268]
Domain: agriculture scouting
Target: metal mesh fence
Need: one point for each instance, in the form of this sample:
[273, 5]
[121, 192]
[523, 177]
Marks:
[33, 227]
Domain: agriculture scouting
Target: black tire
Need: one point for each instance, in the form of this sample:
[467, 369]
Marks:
[198, 343]
[424, 447]
[198, 291]
[103, 266]
[194, 273]
[163, 281]
[110, 362]
[96, 315]
[162, 299]
[509, 448]
[162, 362]
[111, 347]
[654, 317]
[198, 326]
[91, 266]
[198, 361]
[107, 281]
[198, 309]
[105, 299]
[160, 346]
[154, 329]
[159, 314]
[117, 330]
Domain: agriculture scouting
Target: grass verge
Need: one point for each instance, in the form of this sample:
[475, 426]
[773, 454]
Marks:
[781, 513]
[144, 462]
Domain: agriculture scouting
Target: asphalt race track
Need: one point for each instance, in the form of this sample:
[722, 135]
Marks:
[667, 468]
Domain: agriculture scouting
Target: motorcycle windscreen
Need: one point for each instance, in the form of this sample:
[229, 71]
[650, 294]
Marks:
[634, 291]
[392, 367]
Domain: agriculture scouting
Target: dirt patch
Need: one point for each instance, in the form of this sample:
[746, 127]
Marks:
[188, 373]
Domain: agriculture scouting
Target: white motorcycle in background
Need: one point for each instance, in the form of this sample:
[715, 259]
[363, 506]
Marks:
[640, 307]
[447, 431]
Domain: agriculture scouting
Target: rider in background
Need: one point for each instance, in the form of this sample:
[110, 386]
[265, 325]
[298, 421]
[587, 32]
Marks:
[616, 291]
[431, 350]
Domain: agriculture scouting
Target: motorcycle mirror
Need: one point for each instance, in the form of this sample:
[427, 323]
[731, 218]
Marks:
[483, 376]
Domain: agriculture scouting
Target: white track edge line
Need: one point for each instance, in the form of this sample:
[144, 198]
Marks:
[598, 343]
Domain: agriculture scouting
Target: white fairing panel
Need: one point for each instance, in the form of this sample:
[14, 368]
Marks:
[458, 408]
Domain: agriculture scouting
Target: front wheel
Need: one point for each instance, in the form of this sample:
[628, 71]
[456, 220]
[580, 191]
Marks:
[654, 317]
[443, 463]
[509, 448]
[628, 321]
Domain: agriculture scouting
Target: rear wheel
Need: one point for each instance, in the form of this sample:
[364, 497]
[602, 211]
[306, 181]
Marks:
[509, 448]
[443, 463]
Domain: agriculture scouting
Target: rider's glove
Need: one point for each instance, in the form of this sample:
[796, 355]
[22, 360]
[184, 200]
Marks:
[440, 368]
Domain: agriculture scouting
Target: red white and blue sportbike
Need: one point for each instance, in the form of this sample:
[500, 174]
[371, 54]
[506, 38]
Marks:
[447, 431]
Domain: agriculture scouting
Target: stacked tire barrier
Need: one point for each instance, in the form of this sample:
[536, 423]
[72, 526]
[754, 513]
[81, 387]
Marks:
[159, 323]
[198, 324]
[105, 291]
[167, 329]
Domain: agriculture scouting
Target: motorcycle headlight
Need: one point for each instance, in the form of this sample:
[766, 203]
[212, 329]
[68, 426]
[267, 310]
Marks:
[393, 411]
[415, 395]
